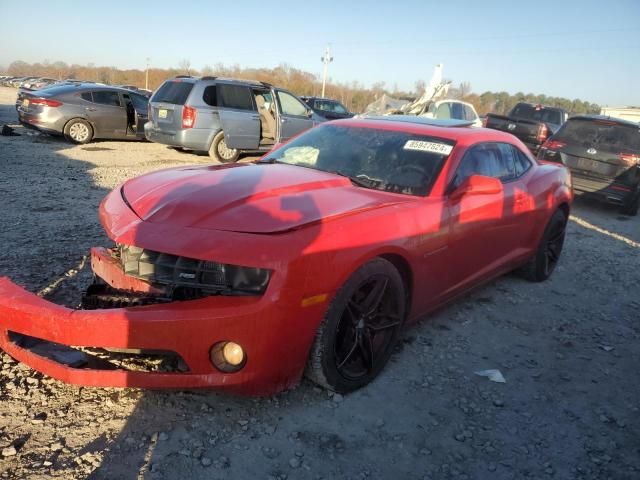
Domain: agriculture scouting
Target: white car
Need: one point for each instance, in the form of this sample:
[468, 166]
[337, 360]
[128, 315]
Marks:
[455, 109]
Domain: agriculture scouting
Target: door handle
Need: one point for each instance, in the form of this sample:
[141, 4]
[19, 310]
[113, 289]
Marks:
[256, 117]
[89, 109]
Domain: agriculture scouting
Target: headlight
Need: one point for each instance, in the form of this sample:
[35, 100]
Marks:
[211, 277]
[247, 278]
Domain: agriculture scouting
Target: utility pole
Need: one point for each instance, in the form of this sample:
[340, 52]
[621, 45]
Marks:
[146, 75]
[326, 60]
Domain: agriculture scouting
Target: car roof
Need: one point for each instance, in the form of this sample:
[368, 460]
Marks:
[452, 100]
[541, 106]
[322, 98]
[84, 87]
[429, 127]
[436, 122]
[605, 118]
[223, 79]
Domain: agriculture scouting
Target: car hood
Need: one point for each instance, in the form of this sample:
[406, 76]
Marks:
[248, 198]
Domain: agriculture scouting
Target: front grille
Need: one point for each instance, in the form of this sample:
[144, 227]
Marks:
[78, 357]
[155, 267]
[205, 276]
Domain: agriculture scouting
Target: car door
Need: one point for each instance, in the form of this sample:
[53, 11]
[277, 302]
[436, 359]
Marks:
[294, 115]
[486, 230]
[239, 116]
[107, 114]
[140, 105]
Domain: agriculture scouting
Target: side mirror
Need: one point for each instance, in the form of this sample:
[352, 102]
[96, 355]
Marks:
[477, 185]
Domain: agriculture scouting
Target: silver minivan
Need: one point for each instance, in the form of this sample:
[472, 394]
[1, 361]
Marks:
[225, 117]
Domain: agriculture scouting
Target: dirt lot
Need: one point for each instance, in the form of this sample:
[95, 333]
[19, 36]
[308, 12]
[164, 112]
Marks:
[568, 348]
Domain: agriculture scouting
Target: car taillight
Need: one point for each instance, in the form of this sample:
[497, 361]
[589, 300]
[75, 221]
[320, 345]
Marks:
[543, 132]
[553, 144]
[629, 157]
[188, 117]
[45, 101]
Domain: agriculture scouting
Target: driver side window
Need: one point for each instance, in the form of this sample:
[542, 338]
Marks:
[486, 159]
[105, 97]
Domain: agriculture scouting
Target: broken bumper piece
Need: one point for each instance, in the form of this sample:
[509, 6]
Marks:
[59, 342]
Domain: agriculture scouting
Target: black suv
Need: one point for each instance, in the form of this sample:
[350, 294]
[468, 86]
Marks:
[603, 154]
[329, 109]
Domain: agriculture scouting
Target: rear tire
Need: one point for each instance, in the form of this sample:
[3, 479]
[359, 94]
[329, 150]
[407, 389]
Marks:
[219, 150]
[78, 131]
[360, 328]
[632, 205]
[542, 264]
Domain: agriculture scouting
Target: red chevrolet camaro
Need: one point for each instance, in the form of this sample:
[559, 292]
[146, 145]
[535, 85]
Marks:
[312, 259]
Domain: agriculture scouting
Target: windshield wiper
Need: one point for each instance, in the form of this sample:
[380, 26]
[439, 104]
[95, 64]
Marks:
[269, 160]
[359, 180]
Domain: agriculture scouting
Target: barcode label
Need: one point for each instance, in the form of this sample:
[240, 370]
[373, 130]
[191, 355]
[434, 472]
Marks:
[431, 147]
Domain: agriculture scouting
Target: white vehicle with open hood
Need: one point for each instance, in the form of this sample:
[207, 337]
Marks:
[432, 103]
[453, 109]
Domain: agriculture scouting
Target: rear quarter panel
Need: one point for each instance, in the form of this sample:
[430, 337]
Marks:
[550, 188]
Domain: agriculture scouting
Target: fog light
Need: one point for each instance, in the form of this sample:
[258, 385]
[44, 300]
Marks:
[232, 353]
[228, 357]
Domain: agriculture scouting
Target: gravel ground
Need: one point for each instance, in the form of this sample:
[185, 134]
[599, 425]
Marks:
[568, 349]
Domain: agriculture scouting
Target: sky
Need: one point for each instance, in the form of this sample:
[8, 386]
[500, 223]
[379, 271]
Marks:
[575, 49]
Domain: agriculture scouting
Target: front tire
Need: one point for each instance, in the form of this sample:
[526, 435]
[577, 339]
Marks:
[542, 264]
[221, 152]
[359, 329]
[78, 131]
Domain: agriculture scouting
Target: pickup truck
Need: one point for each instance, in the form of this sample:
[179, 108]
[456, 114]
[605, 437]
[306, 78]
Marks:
[532, 124]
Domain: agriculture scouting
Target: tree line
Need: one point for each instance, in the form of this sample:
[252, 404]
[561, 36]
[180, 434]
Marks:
[503, 102]
[353, 95]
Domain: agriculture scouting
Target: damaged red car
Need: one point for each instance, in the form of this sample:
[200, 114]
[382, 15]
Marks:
[312, 259]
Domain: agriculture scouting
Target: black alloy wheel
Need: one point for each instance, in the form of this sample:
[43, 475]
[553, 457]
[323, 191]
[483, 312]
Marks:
[553, 246]
[366, 328]
[544, 261]
[360, 329]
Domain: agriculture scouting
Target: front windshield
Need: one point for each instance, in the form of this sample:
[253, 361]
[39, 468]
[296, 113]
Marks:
[538, 114]
[329, 106]
[386, 160]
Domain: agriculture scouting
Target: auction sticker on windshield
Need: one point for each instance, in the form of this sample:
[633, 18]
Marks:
[432, 147]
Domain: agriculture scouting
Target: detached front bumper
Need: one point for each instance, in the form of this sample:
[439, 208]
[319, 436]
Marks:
[276, 351]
